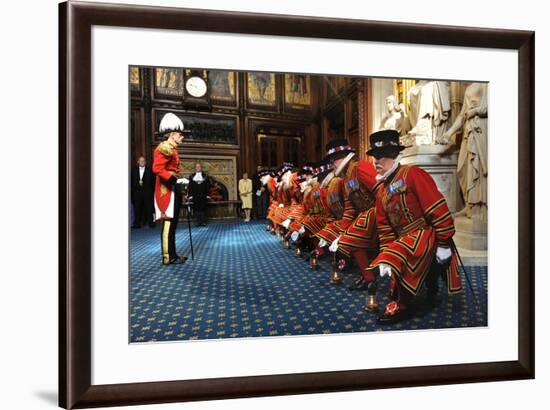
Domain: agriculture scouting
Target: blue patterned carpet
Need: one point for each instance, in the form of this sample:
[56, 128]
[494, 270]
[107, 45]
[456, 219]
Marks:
[242, 283]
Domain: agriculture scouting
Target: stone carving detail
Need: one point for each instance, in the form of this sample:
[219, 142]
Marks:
[429, 111]
[472, 159]
[443, 182]
[396, 116]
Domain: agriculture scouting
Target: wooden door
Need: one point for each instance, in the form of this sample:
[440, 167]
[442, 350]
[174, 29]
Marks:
[276, 149]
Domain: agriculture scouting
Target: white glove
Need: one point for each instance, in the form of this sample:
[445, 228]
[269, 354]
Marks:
[286, 223]
[322, 243]
[334, 245]
[183, 181]
[294, 236]
[302, 230]
[281, 205]
[385, 270]
[442, 254]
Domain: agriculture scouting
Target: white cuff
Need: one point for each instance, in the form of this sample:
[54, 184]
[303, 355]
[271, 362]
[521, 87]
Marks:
[183, 181]
[385, 270]
[302, 230]
[442, 254]
[322, 243]
[334, 245]
[286, 223]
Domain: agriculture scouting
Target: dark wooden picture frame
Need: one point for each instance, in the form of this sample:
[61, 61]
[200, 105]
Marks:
[75, 173]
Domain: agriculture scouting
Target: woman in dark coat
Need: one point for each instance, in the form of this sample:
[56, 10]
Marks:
[199, 188]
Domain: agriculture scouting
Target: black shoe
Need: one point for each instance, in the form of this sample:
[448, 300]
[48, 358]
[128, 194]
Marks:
[152, 225]
[136, 226]
[358, 284]
[392, 314]
[178, 260]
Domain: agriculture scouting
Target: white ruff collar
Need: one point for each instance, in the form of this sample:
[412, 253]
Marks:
[344, 163]
[327, 179]
[198, 177]
[390, 171]
[286, 178]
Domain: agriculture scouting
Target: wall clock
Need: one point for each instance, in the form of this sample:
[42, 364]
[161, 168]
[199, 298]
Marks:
[197, 92]
[196, 86]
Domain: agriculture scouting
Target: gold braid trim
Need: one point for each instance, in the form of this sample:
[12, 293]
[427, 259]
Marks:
[165, 231]
[166, 148]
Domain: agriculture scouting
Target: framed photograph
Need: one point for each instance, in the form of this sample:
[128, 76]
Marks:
[278, 222]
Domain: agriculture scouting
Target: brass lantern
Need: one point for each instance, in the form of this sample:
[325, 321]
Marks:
[372, 301]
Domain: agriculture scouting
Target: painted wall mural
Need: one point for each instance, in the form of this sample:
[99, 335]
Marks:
[169, 81]
[298, 91]
[261, 89]
[222, 86]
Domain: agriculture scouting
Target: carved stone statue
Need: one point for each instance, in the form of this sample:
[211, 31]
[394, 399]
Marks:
[472, 157]
[396, 117]
[429, 111]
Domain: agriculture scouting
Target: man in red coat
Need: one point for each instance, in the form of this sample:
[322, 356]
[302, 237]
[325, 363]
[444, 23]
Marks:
[343, 159]
[318, 213]
[360, 239]
[353, 234]
[166, 166]
[267, 179]
[415, 229]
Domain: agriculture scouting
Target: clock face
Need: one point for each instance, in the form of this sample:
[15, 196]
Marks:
[196, 87]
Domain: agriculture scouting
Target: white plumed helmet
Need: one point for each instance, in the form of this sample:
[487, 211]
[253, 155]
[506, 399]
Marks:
[169, 123]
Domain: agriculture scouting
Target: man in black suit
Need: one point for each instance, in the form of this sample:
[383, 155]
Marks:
[260, 193]
[199, 190]
[142, 188]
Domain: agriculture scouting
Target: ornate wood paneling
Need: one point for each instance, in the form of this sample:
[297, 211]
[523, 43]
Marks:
[138, 143]
[230, 103]
[206, 129]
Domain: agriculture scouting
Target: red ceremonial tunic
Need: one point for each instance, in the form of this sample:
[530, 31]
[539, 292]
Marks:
[272, 188]
[296, 207]
[335, 189]
[338, 227]
[302, 209]
[166, 165]
[362, 233]
[280, 212]
[413, 219]
[319, 214]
